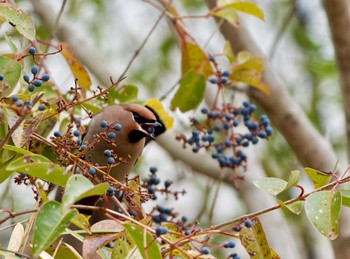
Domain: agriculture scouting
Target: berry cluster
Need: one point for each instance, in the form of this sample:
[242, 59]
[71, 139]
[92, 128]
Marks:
[28, 104]
[217, 133]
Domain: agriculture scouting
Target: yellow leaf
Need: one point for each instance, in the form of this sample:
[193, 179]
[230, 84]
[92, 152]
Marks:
[76, 67]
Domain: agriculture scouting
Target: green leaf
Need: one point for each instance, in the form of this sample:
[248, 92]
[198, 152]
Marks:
[175, 237]
[38, 166]
[190, 93]
[11, 70]
[271, 185]
[19, 19]
[228, 52]
[193, 59]
[18, 150]
[295, 207]
[125, 248]
[126, 93]
[294, 178]
[138, 234]
[49, 225]
[318, 178]
[79, 187]
[323, 210]
[254, 241]
[345, 194]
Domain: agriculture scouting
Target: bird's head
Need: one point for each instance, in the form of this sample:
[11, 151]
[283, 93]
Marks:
[145, 123]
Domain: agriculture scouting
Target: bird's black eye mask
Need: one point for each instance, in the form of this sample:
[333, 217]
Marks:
[149, 126]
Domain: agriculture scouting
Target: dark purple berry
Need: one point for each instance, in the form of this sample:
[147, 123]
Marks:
[153, 169]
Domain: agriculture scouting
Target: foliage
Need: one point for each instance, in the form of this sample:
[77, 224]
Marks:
[32, 150]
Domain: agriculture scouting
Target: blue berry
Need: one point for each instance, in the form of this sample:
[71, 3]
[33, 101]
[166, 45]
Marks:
[235, 123]
[241, 154]
[1, 77]
[204, 138]
[238, 140]
[205, 250]
[195, 132]
[223, 80]
[245, 144]
[150, 190]
[234, 256]
[153, 169]
[156, 218]
[34, 70]
[132, 213]
[29, 103]
[211, 138]
[32, 50]
[252, 107]
[14, 98]
[248, 136]
[159, 231]
[226, 73]
[78, 122]
[103, 124]
[246, 104]
[107, 152]
[110, 160]
[79, 141]
[227, 143]
[244, 111]
[31, 88]
[167, 183]
[211, 58]
[228, 116]
[184, 219]
[254, 126]
[19, 103]
[204, 110]
[255, 140]
[226, 125]
[213, 80]
[219, 149]
[76, 133]
[153, 180]
[248, 223]
[217, 128]
[163, 217]
[82, 147]
[211, 114]
[117, 127]
[111, 135]
[92, 171]
[195, 149]
[45, 77]
[57, 134]
[37, 83]
[229, 244]
[262, 134]
[26, 78]
[110, 191]
[233, 160]
[41, 107]
[269, 131]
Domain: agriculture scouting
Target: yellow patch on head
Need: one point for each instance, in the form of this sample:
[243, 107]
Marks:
[162, 115]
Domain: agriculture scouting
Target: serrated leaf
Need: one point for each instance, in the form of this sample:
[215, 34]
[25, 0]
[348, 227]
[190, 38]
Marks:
[190, 93]
[254, 241]
[139, 236]
[318, 178]
[46, 171]
[323, 211]
[19, 19]
[271, 185]
[79, 187]
[345, 194]
[49, 225]
[193, 59]
[78, 70]
[11, 70]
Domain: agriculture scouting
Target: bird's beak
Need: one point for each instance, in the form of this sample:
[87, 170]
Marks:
[148, 127]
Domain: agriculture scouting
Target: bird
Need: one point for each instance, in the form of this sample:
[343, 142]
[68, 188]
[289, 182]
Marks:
[137, 126]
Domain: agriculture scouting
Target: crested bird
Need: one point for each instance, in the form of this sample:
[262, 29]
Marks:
[138, 123]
